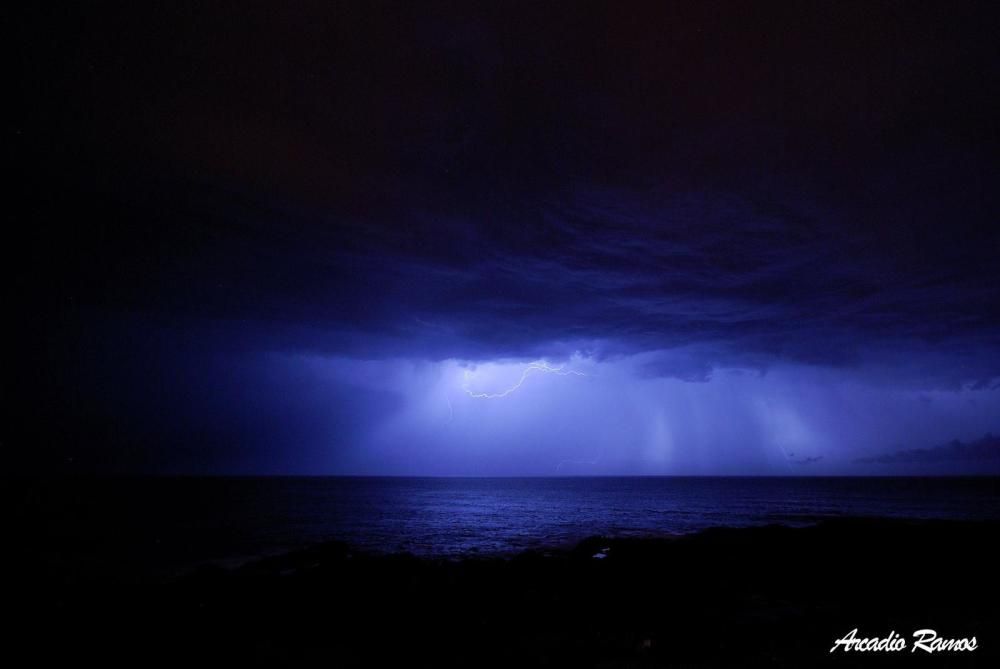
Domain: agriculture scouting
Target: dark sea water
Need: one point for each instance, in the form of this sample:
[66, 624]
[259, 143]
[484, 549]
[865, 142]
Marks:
[158, 527]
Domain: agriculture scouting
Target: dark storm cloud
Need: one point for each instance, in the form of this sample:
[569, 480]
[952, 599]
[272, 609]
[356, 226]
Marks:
[792, 183]
[696, 186]
[608, 273]
[684, 369]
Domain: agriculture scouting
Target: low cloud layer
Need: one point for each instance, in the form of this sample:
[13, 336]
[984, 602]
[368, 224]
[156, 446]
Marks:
[980, 454]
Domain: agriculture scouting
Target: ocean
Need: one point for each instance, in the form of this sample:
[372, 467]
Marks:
[156, 528]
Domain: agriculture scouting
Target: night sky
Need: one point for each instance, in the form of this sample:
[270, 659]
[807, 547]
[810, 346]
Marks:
[508, 239]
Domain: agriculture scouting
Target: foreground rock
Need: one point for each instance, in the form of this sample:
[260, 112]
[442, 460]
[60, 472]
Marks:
[770, 596]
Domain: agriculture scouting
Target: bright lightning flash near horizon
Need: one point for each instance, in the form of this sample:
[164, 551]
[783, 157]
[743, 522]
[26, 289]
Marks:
[535, 367]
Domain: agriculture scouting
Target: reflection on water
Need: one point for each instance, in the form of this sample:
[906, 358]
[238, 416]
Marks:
[165, 525]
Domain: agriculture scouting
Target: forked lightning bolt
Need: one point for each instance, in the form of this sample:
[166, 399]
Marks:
[540, 366]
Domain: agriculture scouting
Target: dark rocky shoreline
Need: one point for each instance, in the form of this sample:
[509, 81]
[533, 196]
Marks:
[766, 596]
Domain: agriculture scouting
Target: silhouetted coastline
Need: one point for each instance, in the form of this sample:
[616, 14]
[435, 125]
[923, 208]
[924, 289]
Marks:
[774, 596]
